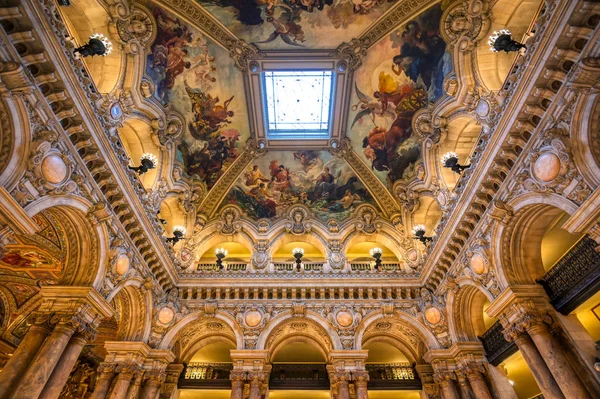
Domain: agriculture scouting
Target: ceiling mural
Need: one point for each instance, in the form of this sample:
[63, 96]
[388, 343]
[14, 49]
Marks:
[198, 79]
[277, 24]
[401, 74]
[322, 182]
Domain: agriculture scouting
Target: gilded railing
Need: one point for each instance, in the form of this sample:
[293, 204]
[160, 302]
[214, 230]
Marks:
[497, 349]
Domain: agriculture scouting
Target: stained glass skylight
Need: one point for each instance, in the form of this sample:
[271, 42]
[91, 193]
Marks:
[298, 103]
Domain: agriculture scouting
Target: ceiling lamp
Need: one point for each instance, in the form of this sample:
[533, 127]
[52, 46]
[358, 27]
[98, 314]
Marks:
[178, 234]
[147, 161]
[419, 234]
[221, 254]
[376, 253]
[502, 40]
[98, 44]
[298, 254]
[450, 160]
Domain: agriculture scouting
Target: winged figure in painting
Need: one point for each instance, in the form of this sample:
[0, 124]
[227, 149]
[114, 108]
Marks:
[209, 115]
[288, 30]
[369, 106]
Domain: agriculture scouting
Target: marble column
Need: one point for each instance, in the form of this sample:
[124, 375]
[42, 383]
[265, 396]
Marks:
[361, 380]
[63, 369]
[34, 380]
[238, 379]
[122, 383]
[343, 387]
[446, 379]
[541, 373]
[106, 373]
[463, 386]
[478, 385]
[22, 357]
[565, 376]
[152, 385]
[255, 387]
[134, 389]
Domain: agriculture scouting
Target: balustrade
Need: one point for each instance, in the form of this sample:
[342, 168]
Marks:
[496, 347]
[205, 376]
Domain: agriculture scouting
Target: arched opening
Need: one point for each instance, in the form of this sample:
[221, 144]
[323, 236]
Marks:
[136, 136]
[470, 317]
[84, 18]
[311, 251]
[428, 214]
[461, 139]
[361, 252]
[236, 252]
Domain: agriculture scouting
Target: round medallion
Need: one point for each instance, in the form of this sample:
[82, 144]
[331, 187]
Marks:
[115, 111]
[166, 315]
[482, 109]
[122, 264]
[433, 315]
[253, 318]
[546, 167]
[478, 264]
[441, 198]
[344, 318]
[54, 169]
[412, 255]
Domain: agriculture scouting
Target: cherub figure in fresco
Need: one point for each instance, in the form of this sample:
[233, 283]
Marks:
[370, 106]
[307, 158]
[289, 31]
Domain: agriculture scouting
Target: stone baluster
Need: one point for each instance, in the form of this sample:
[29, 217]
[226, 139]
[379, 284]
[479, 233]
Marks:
[463, 385]
[361, 380]
[22, 357]
[106, 373]
[474, 373]
[67, 361]
[552, 353]
[238, 380]
[38, 373]
[533, 358]
[152, 384]
[134, 389]
[124, 376]
[446, 380]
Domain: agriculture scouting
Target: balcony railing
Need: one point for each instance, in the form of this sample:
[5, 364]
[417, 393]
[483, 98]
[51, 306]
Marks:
[299, 377]
[205, 376]
[574, 278]
[393, 376]
[497, 349]
[369, 266]
[229, 266]
[291, 266]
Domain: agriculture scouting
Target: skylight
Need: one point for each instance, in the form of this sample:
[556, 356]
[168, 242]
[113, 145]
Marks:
[298, 104]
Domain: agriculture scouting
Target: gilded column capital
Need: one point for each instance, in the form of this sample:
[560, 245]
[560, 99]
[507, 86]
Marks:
[360, 376]
[444, 376]
[126, 371]
[238, 375]
[339, 376]
[260, 376]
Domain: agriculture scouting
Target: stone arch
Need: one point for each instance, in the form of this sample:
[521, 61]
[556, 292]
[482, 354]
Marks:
[493, 68]
[198, 319]
[314, 238]
[428, 213]
[84, 18]
[465, 307]
[407, 321]
[384, 237]
[214, 237]
[297, 338]
[585, 134]
[411, 353]
[133, 314]
[192, 349]
[87, 240]
[14, 147]
[518, 249]
[311, 325]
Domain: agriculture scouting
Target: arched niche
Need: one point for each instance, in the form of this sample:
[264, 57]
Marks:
[522, 241]
[136, 136]
[210, 350]
[360, 250]
[298, 349]
[172, 212]
[132, 311]
[84, 18]
[461, 138]
[312, 252]
[517, 17]
[235, 251]
[384, 239]
[468, 311]
[428, 214]
[386, 350]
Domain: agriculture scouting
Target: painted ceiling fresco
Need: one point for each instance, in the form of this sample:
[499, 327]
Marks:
[197, 78]
[401, 74]
[322, 182]
[277, 24]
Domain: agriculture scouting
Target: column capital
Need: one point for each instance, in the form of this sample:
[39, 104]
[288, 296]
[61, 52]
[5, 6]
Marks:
[238, 375]
[360, 376]
[444, 376]
[339, 376]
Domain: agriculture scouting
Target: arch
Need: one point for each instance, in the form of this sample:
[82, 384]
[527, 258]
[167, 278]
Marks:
[172, 211]
[279, 345]
[379, 237]
[314, 238]
[465, 307]
[91, 243]
[84, 18]
[428, 213]
[192, 349]
[518, 249]
[14, 147]
[137, 138]
[585, 134]
[411, 353]
[132, 306]
[419, 329]
[320, 326]
[170, 337]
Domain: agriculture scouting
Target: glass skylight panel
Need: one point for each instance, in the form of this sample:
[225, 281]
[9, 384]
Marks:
[298, 103]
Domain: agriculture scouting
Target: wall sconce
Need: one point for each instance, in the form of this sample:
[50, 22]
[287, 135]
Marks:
[178, 234]
[502, 40]
[376, 253]
[221, 254]
[147, 161]
[298, 254]
[98, 44]
[162, 221]
[419, 234]
[450, 160]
